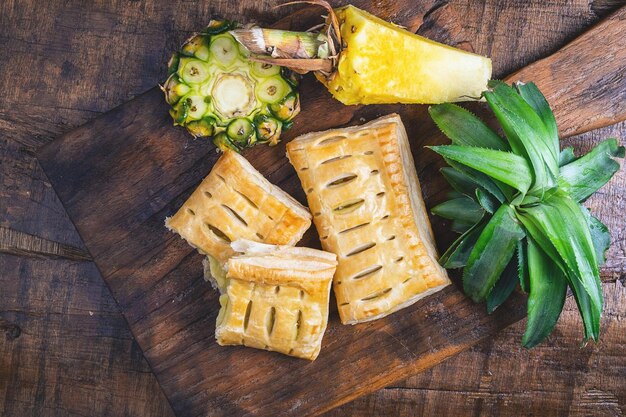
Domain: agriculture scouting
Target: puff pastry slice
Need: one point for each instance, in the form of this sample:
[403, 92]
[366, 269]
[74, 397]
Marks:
[236, 202]
[367, 206]
[276, 299]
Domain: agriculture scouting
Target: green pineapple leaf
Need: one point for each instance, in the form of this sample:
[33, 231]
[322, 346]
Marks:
[559, 225]
[529, 199]
[464, 209]
[497, 189]
[566, 156]
[458, 253]
[463, 128]
[491, 254]
[460, 226]
[503, 166]
[599, 235]
[488, 203]
[504, 286]
[455, 194]
[459, 181]
[522, 265]
[548, 287]
[531, 94]
[526, 133]
[587, 174]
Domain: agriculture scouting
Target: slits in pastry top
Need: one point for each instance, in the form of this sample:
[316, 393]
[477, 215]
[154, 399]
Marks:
[367, 206]
[276, 299]
[233, 202]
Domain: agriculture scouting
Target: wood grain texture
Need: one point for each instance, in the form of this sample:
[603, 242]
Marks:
[79, 69]
[122, 174]
[500, 378]
[19, 243]
[65, 349]
[590, 99]
[71, 357]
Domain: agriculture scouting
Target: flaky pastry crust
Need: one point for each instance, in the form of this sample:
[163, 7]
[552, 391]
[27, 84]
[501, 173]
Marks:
[236, 202]
[276, 299]
[367, 206]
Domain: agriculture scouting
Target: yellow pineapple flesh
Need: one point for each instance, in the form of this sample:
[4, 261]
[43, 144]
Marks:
[382, 63]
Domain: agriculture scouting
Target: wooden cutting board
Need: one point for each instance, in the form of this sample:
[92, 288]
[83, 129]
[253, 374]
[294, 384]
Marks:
[122, 174]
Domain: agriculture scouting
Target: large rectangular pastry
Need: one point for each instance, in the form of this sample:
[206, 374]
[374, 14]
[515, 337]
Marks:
[236, 202]
[276, 298]
[367, 206]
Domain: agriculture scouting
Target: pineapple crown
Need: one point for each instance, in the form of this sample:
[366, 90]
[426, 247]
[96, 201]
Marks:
[516, 205]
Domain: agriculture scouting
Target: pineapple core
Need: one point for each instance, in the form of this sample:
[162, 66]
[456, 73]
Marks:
[382, 63]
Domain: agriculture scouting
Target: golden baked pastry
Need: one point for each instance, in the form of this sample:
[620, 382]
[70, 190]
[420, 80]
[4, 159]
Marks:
[366, 201]
[233, 202]
[276, 298]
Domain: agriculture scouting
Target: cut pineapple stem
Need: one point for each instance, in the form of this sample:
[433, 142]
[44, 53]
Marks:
[285, 48]
[202, 128]
[215, 89]
[233, 95]
[174, 89]
[223, 142]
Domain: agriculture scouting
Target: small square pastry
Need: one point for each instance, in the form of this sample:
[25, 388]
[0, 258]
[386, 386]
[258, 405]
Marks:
[276, 298]
[367, 206]
[236, 202]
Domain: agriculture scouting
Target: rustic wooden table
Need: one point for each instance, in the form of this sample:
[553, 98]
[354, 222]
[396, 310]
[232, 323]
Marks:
[66, 350]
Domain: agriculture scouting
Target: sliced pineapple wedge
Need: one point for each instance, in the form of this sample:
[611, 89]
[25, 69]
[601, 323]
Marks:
[383, 63]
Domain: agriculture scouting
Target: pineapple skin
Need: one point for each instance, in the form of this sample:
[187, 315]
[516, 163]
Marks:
[381, 63]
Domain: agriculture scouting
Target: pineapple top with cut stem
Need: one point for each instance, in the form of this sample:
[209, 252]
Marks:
[214, 89]
[382, 63]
